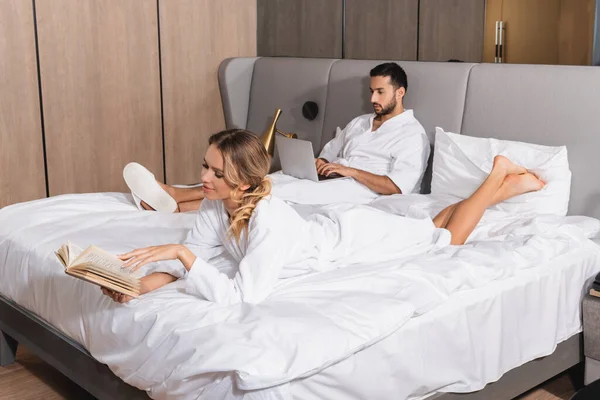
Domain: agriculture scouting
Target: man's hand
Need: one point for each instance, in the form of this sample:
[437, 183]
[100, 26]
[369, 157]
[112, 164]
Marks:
[319, 162]
[333, 168]
[378, 183]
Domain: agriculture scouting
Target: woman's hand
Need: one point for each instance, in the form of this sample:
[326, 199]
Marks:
[116, 296]
[140, 257]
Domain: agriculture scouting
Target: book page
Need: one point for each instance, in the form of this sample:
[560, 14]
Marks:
[95, 256]
[61, 253]
[99, 267]
[67, 253]
[103, 263]
[125, 276]
[115, 286]
[73, 251]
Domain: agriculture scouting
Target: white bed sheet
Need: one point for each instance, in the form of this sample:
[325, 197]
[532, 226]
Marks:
[47, 290]
[469, 341]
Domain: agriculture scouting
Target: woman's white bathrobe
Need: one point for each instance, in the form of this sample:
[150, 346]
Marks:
[280, 244]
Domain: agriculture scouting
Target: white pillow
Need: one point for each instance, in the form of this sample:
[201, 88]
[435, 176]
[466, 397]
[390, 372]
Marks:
[461, 163]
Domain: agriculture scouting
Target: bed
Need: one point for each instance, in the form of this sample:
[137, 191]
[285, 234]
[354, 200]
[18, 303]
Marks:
[528, 311]
[442, 296]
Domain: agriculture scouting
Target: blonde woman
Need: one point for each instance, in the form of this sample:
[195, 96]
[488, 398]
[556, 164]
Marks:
[270, 241]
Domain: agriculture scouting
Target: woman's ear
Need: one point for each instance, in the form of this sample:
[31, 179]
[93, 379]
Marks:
[244, 187]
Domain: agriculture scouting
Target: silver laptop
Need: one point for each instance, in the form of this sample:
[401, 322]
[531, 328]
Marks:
[298, 160]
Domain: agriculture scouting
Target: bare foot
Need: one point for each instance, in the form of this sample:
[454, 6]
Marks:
[504, 164]
[516, 184]
[145, 206]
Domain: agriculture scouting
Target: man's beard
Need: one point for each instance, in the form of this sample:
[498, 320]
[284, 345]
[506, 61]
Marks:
[386, 110]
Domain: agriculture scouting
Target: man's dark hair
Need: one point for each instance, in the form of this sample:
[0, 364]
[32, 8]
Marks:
[397, 75]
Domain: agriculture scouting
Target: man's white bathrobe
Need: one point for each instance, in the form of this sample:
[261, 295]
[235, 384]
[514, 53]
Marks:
[398, 149]
[281, 244]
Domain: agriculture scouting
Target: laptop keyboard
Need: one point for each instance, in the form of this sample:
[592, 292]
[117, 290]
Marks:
[331, 176]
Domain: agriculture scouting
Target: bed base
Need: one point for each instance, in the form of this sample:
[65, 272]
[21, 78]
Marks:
[567, 356]
[18, 325]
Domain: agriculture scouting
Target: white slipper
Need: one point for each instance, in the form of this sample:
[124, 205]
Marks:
[138, 202]
[144, 187]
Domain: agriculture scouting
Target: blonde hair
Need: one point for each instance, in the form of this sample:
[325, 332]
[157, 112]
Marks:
[245, 162]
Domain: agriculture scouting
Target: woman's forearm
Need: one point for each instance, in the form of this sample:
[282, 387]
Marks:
[155, 280]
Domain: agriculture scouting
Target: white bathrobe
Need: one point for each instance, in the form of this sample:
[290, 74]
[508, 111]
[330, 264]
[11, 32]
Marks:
[280, 244]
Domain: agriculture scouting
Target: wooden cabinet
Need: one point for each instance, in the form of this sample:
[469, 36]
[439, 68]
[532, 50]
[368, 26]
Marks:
[530, 35]
[576, 31]
[195, 36]
[99, 70]
[542, 31]
[431, 30]
[22, 175]
[536, 31]
[300, 28]
[381, 29]
[451, 29]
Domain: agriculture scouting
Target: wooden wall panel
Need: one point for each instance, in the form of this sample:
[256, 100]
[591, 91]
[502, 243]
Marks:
[300, 28]
[451, 29]
[543, 31]
[99, 70]
[196, 35]
[381, 29]
[21, 150]
[531, 31]
[576, 32]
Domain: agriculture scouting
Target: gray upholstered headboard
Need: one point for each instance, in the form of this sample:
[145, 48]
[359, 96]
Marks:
[436, 92]
[235, 78]
[552, 105]
[288, 83]
[252, 88]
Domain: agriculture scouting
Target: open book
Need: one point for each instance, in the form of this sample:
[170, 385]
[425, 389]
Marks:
[99, 267]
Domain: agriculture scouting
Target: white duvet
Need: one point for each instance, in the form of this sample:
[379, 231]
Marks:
[332, 191]
[178, 346]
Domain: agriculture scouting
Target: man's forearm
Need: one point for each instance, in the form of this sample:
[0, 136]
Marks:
[378, 183]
